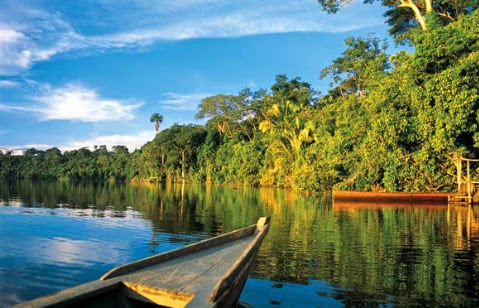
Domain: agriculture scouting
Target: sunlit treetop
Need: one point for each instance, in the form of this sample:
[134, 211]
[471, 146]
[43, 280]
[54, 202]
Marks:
[402, 16]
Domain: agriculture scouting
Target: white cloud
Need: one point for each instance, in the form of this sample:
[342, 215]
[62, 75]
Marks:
[77, 102]
[8, 84]
[182, 102]
[11, 54]
[34, 34]
[131, 141]
[226, 20]
[5, 107]
[31, 34]
[19, 149]
[9, 36]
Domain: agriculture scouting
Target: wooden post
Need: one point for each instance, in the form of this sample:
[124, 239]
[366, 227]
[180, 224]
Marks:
[469, 190]
[467, 193]
[459, 172]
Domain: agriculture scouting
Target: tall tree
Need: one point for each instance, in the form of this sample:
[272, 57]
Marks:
[222, 111]
[362, 61]
[157, 119]
[406, 15]
[249, 103]
[296, 91]
[182, 145]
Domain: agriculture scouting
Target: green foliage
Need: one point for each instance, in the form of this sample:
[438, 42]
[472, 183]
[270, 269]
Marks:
[222, 111]
[363, 60]
[74, 165]
[387, 123]
[238, 163]
[405, 17]
[179, 147]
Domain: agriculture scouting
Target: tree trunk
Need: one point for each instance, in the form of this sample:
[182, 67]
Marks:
[428, 6]
[417, 13]
[162, 155]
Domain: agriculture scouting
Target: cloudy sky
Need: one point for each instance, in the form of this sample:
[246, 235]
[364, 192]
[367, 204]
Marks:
[84, 73]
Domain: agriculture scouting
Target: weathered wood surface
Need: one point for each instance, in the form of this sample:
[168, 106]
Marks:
[206, 274]
[195, 274]
[395, 197]
[342, 205]
[183, 251]
[69, 297]
[230, 285]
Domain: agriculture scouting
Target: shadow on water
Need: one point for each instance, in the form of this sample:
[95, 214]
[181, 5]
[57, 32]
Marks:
[316, 253]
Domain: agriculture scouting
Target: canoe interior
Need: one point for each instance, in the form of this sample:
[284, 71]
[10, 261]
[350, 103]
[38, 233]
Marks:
[209, 273]
[118, 295]
[197, 274]
[184, 251]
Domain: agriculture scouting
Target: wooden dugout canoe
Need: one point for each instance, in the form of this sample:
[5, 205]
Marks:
[391, 197]
[209, 273]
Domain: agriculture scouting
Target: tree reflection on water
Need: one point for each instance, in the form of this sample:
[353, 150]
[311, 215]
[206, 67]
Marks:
[332, 254]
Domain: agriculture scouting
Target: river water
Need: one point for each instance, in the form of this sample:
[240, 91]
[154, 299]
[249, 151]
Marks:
[317, 254]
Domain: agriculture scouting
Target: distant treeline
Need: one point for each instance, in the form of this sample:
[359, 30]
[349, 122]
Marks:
[387, 123]
[100, 164]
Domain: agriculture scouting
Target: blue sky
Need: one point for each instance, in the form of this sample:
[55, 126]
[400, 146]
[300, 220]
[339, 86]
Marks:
[85, 73]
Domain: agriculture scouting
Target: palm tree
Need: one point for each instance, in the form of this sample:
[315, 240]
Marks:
[157, 118]
[289, 131]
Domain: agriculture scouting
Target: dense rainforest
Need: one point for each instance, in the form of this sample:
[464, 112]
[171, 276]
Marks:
[387, 122]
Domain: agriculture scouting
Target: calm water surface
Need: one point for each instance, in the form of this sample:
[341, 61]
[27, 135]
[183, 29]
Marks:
[317, 254]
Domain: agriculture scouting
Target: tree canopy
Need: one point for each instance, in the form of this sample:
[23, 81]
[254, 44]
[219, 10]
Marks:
[387, 122]
[405, 16]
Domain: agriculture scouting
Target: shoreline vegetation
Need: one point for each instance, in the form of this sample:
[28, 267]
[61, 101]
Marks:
[387, 123]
